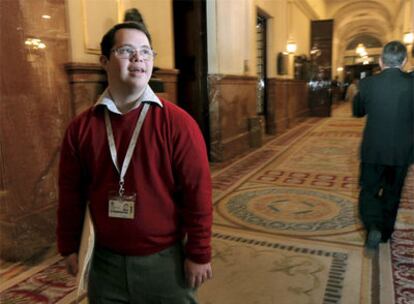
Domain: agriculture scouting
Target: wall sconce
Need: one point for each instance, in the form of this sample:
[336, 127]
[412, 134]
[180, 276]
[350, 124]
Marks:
[339, 69]
[408, 38]
[291, 47]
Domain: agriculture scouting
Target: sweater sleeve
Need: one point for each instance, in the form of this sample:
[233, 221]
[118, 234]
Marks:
[194, 182]
[72, 200]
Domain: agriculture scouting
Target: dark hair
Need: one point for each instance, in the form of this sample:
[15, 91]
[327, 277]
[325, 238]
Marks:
[133, 14]
[393, 54]
[108, 40]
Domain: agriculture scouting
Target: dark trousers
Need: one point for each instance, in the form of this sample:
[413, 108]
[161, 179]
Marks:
[379, 197]
[154, 279]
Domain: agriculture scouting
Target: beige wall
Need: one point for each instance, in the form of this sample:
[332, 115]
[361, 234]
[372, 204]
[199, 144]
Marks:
[403, 24]
[277, 31]
[318, 6]
[231, 36]
[88, 20]
[411, 22]
[408, 27]
[300, 29]
[158, 16]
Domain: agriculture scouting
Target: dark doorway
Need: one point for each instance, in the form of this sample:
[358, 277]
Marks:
[261, 46]
[190, 41]
[359, 71]
[320, 98]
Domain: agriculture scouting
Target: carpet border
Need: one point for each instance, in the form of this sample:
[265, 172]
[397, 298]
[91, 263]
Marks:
[336, 273]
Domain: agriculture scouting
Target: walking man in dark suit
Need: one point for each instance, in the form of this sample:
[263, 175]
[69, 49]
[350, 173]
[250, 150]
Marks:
[387, 144]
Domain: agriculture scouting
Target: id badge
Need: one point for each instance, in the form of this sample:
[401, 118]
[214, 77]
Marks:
[121, 206]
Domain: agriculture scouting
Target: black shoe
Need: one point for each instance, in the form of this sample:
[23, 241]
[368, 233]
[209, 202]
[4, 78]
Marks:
[373, 239]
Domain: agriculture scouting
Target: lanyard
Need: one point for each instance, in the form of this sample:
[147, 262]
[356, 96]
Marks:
[131, 147]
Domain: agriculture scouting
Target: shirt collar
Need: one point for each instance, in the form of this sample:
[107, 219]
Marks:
[148, 96]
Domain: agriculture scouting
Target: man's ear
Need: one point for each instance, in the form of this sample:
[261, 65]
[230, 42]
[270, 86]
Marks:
[381, 64]
[404, 62]
[103, 61]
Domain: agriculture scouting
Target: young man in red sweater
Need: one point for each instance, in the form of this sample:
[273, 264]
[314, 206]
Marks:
[141, 163]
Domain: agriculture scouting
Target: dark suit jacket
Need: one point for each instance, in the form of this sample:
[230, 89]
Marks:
[387, 100]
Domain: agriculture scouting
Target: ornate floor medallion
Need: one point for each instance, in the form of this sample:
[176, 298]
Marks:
[291, 210]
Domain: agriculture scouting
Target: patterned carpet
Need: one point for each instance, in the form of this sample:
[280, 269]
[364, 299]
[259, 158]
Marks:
[285, 229]
[257, 268]
[308, 188]
[46, 282]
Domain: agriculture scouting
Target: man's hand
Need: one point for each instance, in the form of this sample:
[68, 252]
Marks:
[71, 262]
[197, 274]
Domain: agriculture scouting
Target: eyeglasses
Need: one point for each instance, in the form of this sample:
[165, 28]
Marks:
[126, 52]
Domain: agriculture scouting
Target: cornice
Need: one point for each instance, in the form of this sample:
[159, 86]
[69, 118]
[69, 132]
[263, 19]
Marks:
[304, 6]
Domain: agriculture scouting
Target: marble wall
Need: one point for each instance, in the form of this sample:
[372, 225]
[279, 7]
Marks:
[34, 111]
[88, 80]
[232, 101]
[234, 123]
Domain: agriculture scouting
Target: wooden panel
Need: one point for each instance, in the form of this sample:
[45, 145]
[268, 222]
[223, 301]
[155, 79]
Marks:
[87, 82]
[287, 104]
[169, 79]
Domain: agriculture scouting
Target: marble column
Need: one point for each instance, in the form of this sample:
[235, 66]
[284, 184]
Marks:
[34, 111]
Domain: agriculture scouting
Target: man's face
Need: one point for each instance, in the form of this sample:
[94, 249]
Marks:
[128, 73]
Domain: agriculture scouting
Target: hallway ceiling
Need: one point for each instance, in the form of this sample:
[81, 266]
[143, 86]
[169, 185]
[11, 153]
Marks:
[355, 18]
[371, 22]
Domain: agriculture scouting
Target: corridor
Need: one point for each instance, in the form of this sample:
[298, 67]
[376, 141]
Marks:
[285, 229]
[265, 81]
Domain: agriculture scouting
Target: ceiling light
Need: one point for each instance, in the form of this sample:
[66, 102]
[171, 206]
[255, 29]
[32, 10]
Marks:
[360, 49]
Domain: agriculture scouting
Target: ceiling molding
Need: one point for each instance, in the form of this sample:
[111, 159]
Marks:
[370, 6]
[304, 6]
[399, 10]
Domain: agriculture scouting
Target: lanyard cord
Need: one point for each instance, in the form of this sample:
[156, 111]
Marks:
[131, 146]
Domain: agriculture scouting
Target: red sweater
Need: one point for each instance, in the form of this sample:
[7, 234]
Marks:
[169, 172]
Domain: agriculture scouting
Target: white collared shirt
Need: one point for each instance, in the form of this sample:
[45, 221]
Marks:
[148, 96]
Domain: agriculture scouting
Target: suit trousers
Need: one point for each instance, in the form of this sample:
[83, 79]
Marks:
[155, 279]
[379, 196]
